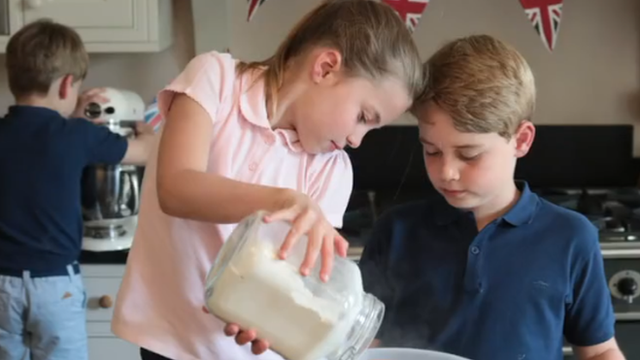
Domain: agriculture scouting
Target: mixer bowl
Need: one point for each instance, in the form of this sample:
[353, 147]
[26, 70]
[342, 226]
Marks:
[406, 354]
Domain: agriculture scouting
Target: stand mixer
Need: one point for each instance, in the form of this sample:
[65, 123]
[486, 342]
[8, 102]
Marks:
[110, 210]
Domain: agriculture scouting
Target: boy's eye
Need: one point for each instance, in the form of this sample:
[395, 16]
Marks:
[469, 157]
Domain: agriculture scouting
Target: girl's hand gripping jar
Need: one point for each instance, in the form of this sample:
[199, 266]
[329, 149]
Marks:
[302, 317]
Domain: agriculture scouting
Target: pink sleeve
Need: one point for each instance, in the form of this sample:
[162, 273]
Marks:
[204, 80]
[332, 186]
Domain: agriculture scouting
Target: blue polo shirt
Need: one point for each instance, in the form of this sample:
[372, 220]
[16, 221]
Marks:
[510, 291]
[42, 157]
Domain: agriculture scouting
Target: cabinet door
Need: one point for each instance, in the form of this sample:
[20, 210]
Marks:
[11, 20]
[112, 348]
[97, 20]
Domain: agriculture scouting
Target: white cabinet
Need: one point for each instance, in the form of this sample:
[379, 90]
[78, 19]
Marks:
[104, 25]
[102, 283]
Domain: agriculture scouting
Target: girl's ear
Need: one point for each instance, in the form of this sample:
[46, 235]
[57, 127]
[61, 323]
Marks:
[327, 64]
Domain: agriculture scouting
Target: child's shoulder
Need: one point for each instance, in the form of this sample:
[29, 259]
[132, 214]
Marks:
[565, 230]
[222, 64]
[567, 221]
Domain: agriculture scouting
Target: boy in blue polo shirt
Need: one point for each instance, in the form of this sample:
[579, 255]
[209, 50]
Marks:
[44, 147]
[486, 269]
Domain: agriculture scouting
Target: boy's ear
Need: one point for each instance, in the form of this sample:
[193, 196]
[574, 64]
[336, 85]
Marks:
[66, 87]
[524, 136]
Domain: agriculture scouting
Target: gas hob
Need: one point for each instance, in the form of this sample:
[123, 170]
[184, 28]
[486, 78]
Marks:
[614, 211]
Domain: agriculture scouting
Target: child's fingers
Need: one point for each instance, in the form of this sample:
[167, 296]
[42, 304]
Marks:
[341, 245]
[313, 250]
[231, 330]
[301, 225]
[94, 91]
[259, 346]
[245, 336]
[327, 257]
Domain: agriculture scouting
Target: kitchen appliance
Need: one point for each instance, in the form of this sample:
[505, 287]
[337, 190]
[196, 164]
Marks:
[616, 214]
[112, 192]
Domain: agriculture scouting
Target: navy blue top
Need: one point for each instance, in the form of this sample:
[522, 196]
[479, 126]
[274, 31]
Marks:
[510, 291]
[42, 156]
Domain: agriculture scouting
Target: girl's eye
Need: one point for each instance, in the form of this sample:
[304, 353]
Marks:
[431, 153]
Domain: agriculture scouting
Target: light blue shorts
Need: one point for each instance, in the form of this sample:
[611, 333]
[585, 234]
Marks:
[43, 318]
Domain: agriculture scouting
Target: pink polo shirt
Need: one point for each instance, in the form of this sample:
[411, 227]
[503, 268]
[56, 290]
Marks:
[160, 300]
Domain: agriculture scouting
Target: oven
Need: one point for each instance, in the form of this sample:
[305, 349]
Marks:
[616, 214]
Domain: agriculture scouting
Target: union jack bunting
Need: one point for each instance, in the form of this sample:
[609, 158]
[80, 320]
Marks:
[152, 115]
[253, 7]
[545, 15]
[409, 10]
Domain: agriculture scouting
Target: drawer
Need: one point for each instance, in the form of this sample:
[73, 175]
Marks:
[102, 285]
[101, 296]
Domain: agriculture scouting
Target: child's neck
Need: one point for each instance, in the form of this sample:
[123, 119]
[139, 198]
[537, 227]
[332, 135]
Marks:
[497, 206]
[39, 101]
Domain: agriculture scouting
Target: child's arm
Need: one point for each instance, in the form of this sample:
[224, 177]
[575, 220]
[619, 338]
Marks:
[608, 350]
[186, 190]
[589, 323]
[104, 146]
[139, 148]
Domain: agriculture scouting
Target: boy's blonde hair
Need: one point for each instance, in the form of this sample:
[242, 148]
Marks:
[373, 40]
[42, 52]
[485, 85]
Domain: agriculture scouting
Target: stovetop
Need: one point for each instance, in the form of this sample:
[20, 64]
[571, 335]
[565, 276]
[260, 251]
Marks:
[614, 211]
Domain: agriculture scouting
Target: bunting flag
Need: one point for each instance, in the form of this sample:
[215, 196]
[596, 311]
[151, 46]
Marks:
[253, 7]
[545, 15]
[409, 10]
[152, 115]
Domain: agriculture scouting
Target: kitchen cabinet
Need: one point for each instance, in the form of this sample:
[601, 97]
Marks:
[102, 283]
[106, 26]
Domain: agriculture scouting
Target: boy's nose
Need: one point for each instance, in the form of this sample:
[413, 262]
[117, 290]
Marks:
[450, 173]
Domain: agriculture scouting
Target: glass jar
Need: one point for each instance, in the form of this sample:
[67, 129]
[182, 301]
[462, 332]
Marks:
[302, 317]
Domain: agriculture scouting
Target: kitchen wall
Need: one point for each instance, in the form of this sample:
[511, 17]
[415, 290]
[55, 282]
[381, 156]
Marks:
[143, 73]
[593, 76]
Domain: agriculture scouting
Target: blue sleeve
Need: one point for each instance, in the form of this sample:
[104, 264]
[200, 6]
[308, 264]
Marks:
[100, 145]
[374, 268]
[589, 313]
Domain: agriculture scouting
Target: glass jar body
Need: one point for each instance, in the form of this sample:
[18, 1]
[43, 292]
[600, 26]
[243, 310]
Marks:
[302, 317]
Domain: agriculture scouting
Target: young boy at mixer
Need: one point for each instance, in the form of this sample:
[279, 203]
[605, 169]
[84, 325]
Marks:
[486, 269]
[44, 146]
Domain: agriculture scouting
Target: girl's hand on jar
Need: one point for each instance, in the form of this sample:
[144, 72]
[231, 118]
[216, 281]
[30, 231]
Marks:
[244, 337]
[307, 218]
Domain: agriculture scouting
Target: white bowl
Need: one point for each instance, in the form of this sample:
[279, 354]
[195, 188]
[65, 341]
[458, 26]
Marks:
[405, 354]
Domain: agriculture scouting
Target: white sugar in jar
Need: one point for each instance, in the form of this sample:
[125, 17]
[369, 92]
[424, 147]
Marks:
[302, 317]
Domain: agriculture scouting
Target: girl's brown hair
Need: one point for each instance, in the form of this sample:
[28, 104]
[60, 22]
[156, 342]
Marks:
[372, 39]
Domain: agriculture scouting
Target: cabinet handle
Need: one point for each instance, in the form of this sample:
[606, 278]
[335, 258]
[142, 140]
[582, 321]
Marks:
[105, 302]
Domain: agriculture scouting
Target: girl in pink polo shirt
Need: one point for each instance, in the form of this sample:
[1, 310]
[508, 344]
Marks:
[240, 137]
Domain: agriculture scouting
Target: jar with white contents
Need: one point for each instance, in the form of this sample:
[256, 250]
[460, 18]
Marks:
[302, 317]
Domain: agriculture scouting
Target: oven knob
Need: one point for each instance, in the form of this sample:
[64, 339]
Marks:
[627, 286]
